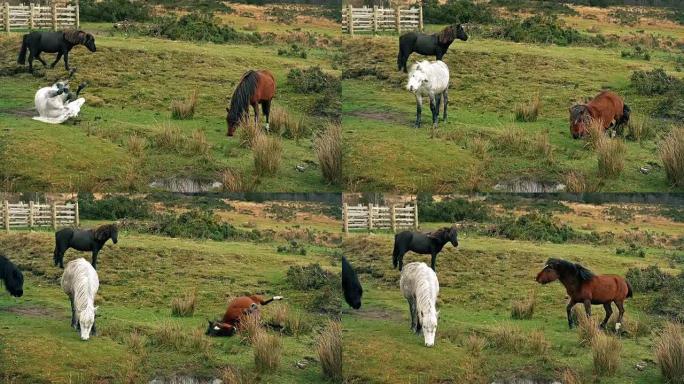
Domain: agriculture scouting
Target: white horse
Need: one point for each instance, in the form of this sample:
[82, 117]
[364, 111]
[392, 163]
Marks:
[420, 287]
[429, 78]
[80, 283]
[56, 104]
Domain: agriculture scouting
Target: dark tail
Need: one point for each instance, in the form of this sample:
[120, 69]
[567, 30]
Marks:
[629, 289]
[395, 253]
[625, 115]
[22, 53]
[399, 60]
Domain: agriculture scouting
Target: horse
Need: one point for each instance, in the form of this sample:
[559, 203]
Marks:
[255, 87]
[607, 108]
[80, 283]
[53, 42]
[57, 103]
[420, 287]
[431, 79]
[83, 240]
[238, 307]
[585, 287]
[435, 44]
[423, 243]
[12, 276]
[350, 285]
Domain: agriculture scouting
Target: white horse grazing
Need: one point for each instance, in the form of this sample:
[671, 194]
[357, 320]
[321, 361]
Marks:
[429, 78]
[80, 282]
[420, 287]
[56, 104]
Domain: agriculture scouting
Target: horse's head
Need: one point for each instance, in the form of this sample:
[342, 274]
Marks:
[460, 32]
[86, 319]
[549, 273]
[106, 232]
[417, 78]
[428, 320]
[580, 118]
[232, 122]
[14, 279]
[79, 37]
[453, 236]
[217, 328]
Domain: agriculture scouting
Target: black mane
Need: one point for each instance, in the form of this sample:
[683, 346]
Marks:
[565, 268]
[239, 102]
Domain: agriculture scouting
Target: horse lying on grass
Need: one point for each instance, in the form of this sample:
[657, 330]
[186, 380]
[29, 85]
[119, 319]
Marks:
[12, 276]
[423, 243]
[80, 283]
[585, 287]
[238, 307]
[435, 44]
[53, 42]
[429, 79]
[420, 287]
[56, 104]
[607, 108]
[83, 240]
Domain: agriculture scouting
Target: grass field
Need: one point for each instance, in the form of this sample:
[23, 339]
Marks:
[489, 80]
[478, 283]
[132, 81]
[138, 338]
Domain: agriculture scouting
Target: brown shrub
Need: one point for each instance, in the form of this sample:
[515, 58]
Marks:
[328, 147]
[267, 153]
[672, 154]
[184, 109]
[329, 349]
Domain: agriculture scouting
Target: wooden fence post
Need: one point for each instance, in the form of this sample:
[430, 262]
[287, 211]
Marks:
[53, 11]
[393, 218]
[370, 216]
[54, 215]
[6, 217]
[398, 18]
[78, 221]
[375, 19]
[32, 21]
[78, 23]
[345, 216]
[420, 17]
[6, 11]
[350, 19]
[415, 216]
[31, 220]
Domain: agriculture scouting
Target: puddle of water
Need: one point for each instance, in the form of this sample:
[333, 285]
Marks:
[529, 186]
[185, 185]
[185, 380]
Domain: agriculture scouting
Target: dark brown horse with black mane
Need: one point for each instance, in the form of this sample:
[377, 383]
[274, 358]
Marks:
[607, 108]
[83, 240]
[585, 287]
[255, 87]
[424, 243]
[435, 44]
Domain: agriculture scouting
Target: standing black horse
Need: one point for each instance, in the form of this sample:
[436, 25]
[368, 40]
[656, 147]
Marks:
[83, 240]
[14, 280]
[53, 42]
[435, 44]
[423, 243]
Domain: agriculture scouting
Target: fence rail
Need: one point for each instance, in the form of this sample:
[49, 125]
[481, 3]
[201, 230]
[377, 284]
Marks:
[378, 217]
[377, 19]
[34, 16]
[35, 215]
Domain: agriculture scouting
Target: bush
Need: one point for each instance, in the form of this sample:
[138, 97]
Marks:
[184, 306]
[322, 287]
[312, 80]
[267, 351]
[670, 300]
[649, 279]
[112, 207]
[197, 26]
[535, 226]
[543, 29]
[195, 224]
[184, 109]
[328, 147]
[632, 250]
[669, 351]
[113, 10]
[268, 152]
[329, 349]
[606, 352]
[293, 248]
[452, 210]
[611, 157]
[456, 11]
[655, 82]
[672, 154]
[528, 112]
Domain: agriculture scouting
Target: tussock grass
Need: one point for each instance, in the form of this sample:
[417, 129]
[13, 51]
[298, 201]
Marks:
[267, 350]
[537, 343]
[639, 129]
[136, 145]
[169, 137]
[250, 326]
[474, 178]
[174, 336]
[507, 337]
[587, 327]
[528, 112]
[329, 348]
[267, 153]
[283, 123]
[296, 324]
[234, 180]
[475, 344]
[576, 182]
[611, 157]
[669, 352]
[512, 140]
[606, 354]
[542, 146]
[198, 144]
[137, 342]
[595, 134]
[277, 315]
[328, 147]
[672, 154]
[248, 131]
[523, 309]
[568, 376]
[234, 375]
[184, 109]
[479, 146]
[184, 306]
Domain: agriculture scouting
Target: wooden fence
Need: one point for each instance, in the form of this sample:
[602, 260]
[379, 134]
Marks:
[35, 215]
[35, 16]
[377, 217]
[377, 19]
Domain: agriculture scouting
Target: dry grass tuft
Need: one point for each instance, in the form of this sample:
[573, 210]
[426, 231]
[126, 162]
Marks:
[475, 344]
[184, 109]
[512, 140]
[250, 326]
[282, 123]
[523, 309]
[611, 157]
[672, 154]
[507, 337]
[537, 343]
[267, 153]
[137, 342]
[328, 147]
[479, 146]
[528, 112]
[234, 180]
[639, 129]
[296, 324]
[568, 376]
[234, 375]
[595, 134]
[669, 352]
[277, 314]
[136, 145]
[169, 138]
[198, 144]
[267, 350]
[184, 306]
[606, 352]
[576, 182]
[329, 349]
[248, 131]
[542, 146]
[587, 328]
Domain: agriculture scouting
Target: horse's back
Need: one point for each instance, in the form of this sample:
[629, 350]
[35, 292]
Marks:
[78, 269]
[82, 240]
[608, 105]
[414, 273]
[606, 288]
[266, 86]
[425, 44]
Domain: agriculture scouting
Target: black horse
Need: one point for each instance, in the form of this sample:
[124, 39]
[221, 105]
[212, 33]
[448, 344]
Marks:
[423, 243]
[350, 285]
[53, 42]
[14, 280]
[83, 240]
[435, 44]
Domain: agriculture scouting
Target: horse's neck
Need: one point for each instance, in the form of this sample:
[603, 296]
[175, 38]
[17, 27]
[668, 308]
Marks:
[571, 284]
[438, 244]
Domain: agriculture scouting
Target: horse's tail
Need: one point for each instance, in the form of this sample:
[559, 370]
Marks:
[630, 293]
[399, 59]
[395, 253]
[626, 111]
[22, 52]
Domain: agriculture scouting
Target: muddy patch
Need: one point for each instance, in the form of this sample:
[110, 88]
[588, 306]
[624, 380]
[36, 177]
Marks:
[185, 185]
[19, 112]
[387, 117]
[33, 311]
[376, 314]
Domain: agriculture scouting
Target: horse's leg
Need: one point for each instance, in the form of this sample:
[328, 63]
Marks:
[41, 59]
[568, 309]
[609, 313]
[401, 259]
[266, 109]
[412, 309]
[434, 259]
[30, 61]
[93, 330]
[256, 113]
[66, 60]
[621, 312]
[587, 307]
[95, 252]
[419, 109]
[446, 103]
[73, 313]
[59, 56]
[433, 108]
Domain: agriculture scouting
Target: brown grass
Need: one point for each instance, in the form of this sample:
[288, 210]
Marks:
[479, 146]
[184, 109]
[474, 177]
[611, 157]
[576, 182]
[136, 145]
[568, 376]
[267, 153]
[250, 326]
[248, 131]
[543, 148]
[595, 134]
[328, 147]
[537, 343]
[296, 324]
[184, 306]
[528, 112]
[475, 344]
[234, 375]
[234, 180]
[282, 123]
[669, 352]
[198, 144]
[173, 335]
[672, 154]
[639, 129]
[606, 353]
[512, 140]
[523, 309]
[137, 342]
[169, 138]
[267, 350]
[507, 337]
[329, 349]
[277, 315]
[587, 327]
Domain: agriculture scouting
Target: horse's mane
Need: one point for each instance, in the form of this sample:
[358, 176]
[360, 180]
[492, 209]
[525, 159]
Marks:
[239, 102]
[438, 234]
[104, 232]
[74, 36]
[446, 35]
[577, 270]
[79, 283]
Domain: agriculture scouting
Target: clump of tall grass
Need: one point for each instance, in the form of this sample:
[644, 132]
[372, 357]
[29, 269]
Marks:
[568, 376]
[576, 182]
[475, 344]
[507, 337]
[672, 154]
[234, 375]
[248, 131]
[512, 140]
[537, 343]
[329, 348]
[479, 146]
[595, 134]
[328, 148]
[198, 144]
[184, 306]
[250, 327]
[172, 335]
[267, 350]
[282, 123]
[639, 129]
[611, 157]
[528, 112]
[267, 153]
[169, 137]
[669, 351]
[136, 342]
[184, 109]
[136, 145]
[523, 309]
[606, 353]
[296, 324]
[587, 327]
[543, 148]
[277, 315]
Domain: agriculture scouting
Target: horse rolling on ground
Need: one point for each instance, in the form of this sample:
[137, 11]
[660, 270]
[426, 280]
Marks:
[435, 44]
[238, 307]
[255, 87]
[80, 283]
[12, 276]
[423, 243]
[585, 287]
[83, 240]
[429, 79]
[350, 285]
[420, 287]
[53, 42]
[607, 108]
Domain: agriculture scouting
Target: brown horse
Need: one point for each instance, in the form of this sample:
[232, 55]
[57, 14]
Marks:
[255, 87]
[238, 307]
[585, 287]
[607, 108]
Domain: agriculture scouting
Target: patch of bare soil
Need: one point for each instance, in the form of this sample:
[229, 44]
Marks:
[33, 311]
[387, 117]
[377, 314]
[19, 112]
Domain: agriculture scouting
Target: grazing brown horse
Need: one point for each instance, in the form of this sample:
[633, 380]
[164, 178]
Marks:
[606, 108]
[585, 287]
[238, 307]
[255, 87]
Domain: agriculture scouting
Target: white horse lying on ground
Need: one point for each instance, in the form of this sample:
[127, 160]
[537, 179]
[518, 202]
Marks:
[80, 282]
[420, 287]
[56, 104]
[429, 78]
